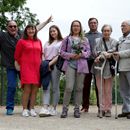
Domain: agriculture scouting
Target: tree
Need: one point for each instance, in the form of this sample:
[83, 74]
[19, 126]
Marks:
[15, 10]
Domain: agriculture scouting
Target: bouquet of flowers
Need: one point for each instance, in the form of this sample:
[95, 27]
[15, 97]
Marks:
[76, 47]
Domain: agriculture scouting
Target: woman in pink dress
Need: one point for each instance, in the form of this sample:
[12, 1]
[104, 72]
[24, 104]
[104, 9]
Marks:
[28, 54]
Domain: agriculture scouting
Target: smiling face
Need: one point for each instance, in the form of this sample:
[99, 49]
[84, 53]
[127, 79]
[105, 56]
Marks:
[125, 27]
[53, 33]
[106, 31]
[12, 28]
[31, 32]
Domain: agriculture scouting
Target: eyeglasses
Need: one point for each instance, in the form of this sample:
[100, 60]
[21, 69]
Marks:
[12, 26]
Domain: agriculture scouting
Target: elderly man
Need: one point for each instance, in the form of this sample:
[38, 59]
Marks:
[123, 55]
[8, 41]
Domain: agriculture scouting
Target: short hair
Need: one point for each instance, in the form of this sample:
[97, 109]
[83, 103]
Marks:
[105, 25]
[127, 21]
[25, 36]
[90, 19]
[11, 21]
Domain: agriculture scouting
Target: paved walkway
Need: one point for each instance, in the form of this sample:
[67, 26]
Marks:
[88, 121]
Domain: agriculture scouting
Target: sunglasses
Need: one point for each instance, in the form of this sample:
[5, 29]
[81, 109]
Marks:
[12, 26]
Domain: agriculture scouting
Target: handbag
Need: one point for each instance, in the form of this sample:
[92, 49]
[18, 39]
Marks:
[59, 63]
[60, 60]
[110, 60]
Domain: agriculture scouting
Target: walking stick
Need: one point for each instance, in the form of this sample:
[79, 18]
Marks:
[100, 93]
[115, 67]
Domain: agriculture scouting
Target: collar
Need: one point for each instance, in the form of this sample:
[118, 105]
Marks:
[90, 32]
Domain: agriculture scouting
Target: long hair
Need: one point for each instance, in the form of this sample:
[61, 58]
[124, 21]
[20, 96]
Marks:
[25, 35]
[59, 37]
[81, 33]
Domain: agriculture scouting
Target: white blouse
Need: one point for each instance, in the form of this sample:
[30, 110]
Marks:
[51, 50]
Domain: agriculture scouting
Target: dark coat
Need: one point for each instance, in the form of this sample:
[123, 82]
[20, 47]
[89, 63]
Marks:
[45, 74]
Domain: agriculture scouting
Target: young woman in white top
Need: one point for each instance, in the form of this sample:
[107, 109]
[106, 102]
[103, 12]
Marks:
[51, 52]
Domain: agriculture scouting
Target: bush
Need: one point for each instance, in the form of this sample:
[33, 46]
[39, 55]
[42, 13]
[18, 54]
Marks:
[18, 96]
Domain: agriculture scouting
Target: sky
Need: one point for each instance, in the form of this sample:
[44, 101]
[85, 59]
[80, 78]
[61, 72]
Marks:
[111, 12]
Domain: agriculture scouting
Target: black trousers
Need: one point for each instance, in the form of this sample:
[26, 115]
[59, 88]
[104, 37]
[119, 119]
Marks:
[87, 87]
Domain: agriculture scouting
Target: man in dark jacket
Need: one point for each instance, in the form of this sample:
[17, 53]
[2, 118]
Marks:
[91, 35]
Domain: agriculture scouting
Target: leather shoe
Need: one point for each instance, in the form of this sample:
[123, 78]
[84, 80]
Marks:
[84, 109]
[128, 116]
[122, 115]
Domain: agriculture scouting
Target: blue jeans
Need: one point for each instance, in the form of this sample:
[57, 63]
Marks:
[11, 87]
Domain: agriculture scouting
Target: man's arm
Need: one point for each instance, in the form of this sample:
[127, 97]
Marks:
[40, 26]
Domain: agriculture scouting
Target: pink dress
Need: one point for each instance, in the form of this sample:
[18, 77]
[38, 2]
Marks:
[28, 54]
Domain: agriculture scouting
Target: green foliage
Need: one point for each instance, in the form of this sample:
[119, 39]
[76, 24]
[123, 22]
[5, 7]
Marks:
[119, 99]
[62, 87]
[11, 5]
[15, 10]
[93, 99]
[3, 83]
[18, 95]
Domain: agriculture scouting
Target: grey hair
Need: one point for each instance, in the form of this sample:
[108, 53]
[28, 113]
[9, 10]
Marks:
[105, 25]
[128, 22]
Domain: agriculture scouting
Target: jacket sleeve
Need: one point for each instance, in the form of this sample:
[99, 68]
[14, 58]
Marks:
[18, 51]
[66, 55]
[41, 48]
[97, 48]
[86, 50]
[114, 46]
[125, 54]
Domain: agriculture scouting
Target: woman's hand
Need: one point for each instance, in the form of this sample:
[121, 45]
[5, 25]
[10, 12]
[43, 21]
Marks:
[76, 56]
[107, 55]
[116, 55]
[73, 56]
[98, 59]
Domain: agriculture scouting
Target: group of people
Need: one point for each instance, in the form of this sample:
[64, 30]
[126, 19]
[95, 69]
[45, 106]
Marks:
[81, 53]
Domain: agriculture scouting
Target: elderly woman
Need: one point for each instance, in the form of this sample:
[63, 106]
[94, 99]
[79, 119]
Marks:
[103, 48]
[75, 49]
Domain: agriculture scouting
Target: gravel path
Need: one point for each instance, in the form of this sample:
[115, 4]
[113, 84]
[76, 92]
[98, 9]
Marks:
[88, 121]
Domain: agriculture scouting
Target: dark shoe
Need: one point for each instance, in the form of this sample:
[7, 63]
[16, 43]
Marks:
[64, 113]
[103, 113]
[108, 113]
[9, 112]
[84, 109]
[128, 116]
[76, 113]
[122, 115]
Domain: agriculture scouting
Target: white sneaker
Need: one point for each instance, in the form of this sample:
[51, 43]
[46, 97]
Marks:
[33, 113]
[25, 113]
[44, 112]
[53, 112]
